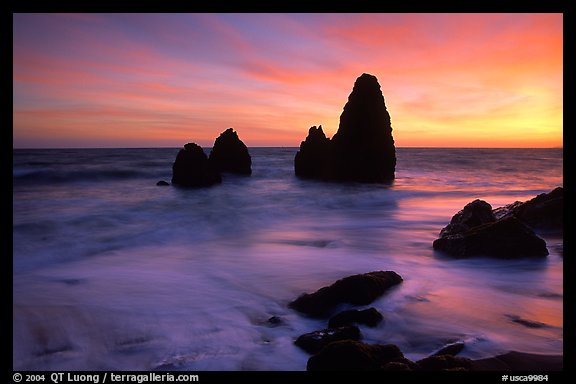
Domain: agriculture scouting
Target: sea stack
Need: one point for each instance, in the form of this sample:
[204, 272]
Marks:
[363, 148]
[192, 168]
[230, 154]
[310, 160]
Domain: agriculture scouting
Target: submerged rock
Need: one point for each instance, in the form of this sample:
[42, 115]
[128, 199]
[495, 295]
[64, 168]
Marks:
[370, 317]
[192, 168]
[313, 342]
[526, 322]
[230, 154]
[363, 148]
[162, 183]
[274, 321]
[361, 289]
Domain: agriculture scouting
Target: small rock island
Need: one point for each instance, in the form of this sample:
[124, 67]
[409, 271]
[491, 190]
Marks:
[192, 168]
[363, 148]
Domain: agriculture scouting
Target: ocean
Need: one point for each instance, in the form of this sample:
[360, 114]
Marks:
[112, 272]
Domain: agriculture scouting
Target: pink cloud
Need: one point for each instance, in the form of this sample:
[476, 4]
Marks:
[274, 76]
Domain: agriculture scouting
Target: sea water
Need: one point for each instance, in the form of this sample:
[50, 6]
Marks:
[112, 272]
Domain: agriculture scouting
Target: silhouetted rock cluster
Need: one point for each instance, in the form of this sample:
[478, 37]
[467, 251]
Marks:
[507, 232]
[352, 355]
[357, 289]
[192, 168]
[363, 148]
[338, 347]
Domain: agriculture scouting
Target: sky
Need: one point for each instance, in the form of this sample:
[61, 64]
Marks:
[163, 80]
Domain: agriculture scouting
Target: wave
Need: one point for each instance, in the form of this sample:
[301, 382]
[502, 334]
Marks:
[44, 175]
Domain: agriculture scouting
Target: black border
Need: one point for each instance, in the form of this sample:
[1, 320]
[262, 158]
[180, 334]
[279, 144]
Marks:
[358, 6]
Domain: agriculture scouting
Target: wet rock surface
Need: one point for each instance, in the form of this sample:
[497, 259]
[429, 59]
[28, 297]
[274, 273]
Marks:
[370, 317]
[361, 289]
[313, 342]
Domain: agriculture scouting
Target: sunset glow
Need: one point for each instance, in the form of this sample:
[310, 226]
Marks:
[162, 80]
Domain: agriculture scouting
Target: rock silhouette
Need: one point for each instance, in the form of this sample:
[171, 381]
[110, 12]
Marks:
[445, 363]
[351, 355]
[230, 154]
[476, 213]
[370, 317]
[358, 289]
[507, 238]
[192, 168]
[310, 159]
[313, 342]
[543, 213]
[363, 148]
[506, 232]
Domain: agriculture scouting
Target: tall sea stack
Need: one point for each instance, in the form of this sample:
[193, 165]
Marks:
[363, 148]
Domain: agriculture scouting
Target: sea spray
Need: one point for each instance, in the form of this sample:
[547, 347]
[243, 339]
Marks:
[113, 272]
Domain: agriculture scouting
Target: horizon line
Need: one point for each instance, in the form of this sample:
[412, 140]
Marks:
[284, 146]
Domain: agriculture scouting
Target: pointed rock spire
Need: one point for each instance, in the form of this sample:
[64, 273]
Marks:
[363, 148]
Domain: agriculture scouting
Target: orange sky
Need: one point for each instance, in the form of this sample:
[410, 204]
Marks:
[162, 80]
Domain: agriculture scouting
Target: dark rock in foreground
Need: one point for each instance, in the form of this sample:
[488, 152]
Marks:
[349, 355]
[363, 148]
[506, 238]
[472, 215]
[506, 232]
[544, 212]
[370, 317]
[313, 342]
[477, 231]
[361, 289]
[520, 361]
[230, 154]
[162, 183]
[192, 168]
[445, 363]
